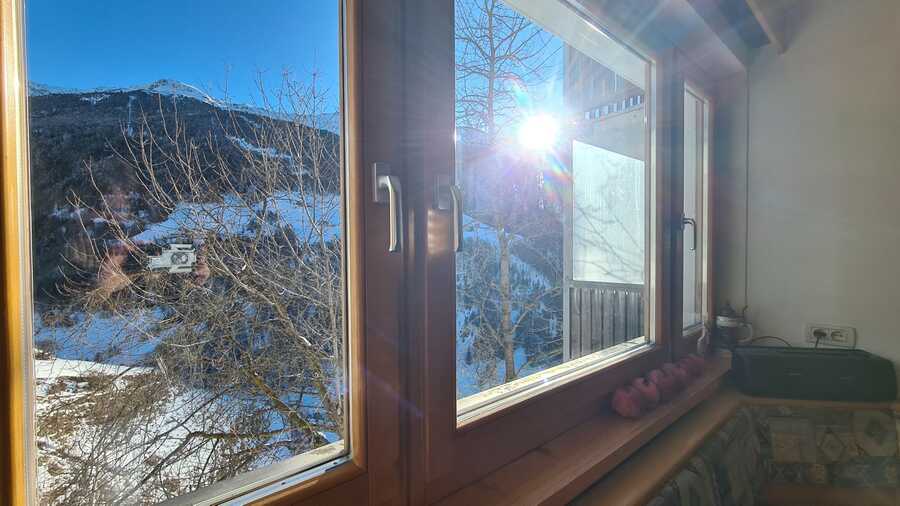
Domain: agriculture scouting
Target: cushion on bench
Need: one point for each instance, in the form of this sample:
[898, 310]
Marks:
[726, 471]
[822, 446]
[791, 447]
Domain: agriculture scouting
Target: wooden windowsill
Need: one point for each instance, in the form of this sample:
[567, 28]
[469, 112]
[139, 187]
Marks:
[637, 480]
[556, 472]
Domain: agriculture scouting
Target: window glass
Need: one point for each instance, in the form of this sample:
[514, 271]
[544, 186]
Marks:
[553, 265]
[694, 235]
[185, 167]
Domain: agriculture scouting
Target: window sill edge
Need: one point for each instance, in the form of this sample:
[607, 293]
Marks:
[557, 471]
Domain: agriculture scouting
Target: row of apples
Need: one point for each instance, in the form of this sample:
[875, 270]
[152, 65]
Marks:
[659, 385]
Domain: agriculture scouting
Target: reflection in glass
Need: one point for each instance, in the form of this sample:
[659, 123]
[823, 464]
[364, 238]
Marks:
[188, 246]
[551, 126]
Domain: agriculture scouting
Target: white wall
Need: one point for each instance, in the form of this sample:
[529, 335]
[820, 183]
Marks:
[824, 219]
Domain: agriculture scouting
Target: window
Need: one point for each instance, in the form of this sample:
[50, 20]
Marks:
[188, 227]
[554, 272]
[494, 333]
[213, 271]
[696, 211]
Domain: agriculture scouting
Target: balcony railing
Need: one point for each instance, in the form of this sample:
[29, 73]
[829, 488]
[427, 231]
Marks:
[601, 315]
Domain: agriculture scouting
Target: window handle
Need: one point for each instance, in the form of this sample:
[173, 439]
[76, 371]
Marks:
[448, 197]
[693, 223]
[456, 197]
[389, 191]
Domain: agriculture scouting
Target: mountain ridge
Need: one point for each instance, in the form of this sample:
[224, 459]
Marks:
[329, 121]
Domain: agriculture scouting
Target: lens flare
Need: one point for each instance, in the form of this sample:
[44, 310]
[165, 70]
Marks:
[539, 133]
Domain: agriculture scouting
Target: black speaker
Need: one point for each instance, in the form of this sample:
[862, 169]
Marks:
[813, 373]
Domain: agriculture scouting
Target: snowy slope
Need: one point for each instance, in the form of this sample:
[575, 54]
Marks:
[309, 216]
[72, 433]
[94, 333]
[54, 369]
[526, 280]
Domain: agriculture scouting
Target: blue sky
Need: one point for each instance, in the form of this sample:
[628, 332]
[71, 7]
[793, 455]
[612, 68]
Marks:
[207, 43]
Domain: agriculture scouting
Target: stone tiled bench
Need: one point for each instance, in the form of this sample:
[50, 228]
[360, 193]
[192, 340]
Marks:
[766, 452]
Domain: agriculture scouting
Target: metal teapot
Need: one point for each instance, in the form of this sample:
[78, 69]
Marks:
[731, 326]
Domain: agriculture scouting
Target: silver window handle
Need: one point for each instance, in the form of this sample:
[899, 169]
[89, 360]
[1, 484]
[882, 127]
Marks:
[389, 191]
[456, 198]
[693, 223]
[455, 205]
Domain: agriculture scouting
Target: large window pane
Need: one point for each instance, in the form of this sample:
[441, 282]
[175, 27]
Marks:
[551, 158]
[188, 244]
[694, 188]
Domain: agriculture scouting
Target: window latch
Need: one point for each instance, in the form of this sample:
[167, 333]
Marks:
[693, 223]
[387, 190]
[448, 197]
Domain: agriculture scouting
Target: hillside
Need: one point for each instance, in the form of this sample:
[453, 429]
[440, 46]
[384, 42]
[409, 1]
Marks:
[80, 144]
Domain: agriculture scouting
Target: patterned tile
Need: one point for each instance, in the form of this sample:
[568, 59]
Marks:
[817, 474]
[866, 472]
[875, 432]
[787, 472]
[844, 436]
[792, 440]
[832, 447]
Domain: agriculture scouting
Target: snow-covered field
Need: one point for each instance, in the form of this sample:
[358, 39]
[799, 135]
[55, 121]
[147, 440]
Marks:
[124, 339]
[310, 217]
[108, 426]
[80, 445]
[111, 419]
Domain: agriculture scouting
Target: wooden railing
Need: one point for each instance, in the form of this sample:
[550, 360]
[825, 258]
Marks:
[601, 315]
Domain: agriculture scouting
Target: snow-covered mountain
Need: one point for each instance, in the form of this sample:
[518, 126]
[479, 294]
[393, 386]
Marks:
[329, 121]
[161, 86]
[71, 129]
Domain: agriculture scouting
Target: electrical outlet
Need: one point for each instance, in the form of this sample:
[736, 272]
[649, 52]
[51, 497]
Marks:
[831, 335]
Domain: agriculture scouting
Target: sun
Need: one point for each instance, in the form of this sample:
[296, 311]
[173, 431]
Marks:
[538, 132]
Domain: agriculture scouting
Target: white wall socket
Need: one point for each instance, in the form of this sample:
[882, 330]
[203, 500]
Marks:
[831, 335]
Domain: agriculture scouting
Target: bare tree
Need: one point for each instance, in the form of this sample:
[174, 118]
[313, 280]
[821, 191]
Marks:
[501, 58]
[243, 361]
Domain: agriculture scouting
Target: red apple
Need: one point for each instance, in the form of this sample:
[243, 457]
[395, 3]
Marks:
[626, 401]
[648, 392]
[681, 377]
[688, 378]
[690, 366]
[664, 383]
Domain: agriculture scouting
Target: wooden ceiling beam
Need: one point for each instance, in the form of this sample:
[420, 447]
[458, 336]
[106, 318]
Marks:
[763, 12]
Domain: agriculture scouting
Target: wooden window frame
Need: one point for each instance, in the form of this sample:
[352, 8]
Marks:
[406, 444]
[441, 452]
[370, 474]
[690, 78]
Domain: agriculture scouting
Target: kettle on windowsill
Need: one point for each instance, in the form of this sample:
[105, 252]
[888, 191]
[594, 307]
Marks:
[730, 326]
